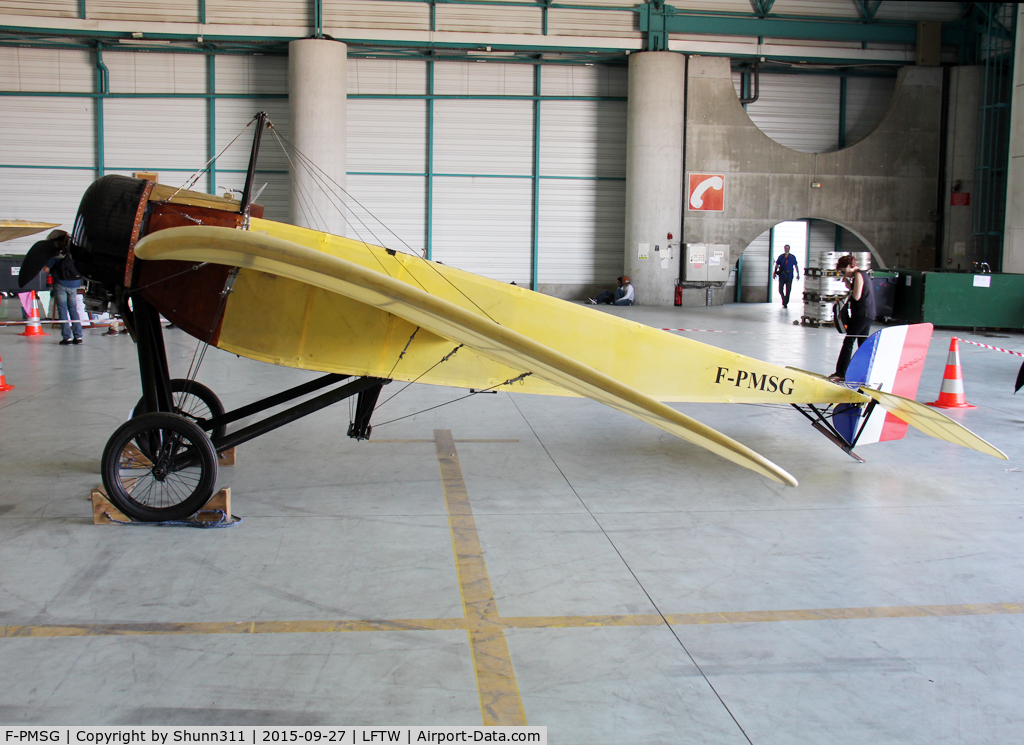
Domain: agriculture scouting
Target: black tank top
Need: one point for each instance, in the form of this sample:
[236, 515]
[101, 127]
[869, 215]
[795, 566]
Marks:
[865, 307]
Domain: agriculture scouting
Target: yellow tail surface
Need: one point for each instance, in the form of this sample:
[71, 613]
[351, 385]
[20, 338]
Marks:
[932, 422]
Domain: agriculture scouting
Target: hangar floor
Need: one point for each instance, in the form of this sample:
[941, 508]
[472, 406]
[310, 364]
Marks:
[647, 591]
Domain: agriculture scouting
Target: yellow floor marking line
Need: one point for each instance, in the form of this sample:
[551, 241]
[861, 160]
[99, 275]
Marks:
[575, 622]
[500, 701]
[523, 622]
[765, 616]
[847, 614]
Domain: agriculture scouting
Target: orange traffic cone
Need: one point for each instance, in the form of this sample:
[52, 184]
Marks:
[4, 387]
[34, 328]
[951, 394]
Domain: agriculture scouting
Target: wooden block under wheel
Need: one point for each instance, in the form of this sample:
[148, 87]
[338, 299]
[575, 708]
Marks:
[219, 501]
[105, 513]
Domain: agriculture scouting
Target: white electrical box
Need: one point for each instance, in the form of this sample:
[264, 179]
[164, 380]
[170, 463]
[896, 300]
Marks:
[706, 262]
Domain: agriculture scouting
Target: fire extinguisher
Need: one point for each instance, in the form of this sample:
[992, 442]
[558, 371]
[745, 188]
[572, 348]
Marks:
[679, 295]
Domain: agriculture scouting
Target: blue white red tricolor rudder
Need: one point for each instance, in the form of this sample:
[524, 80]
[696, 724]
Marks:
[890, 360]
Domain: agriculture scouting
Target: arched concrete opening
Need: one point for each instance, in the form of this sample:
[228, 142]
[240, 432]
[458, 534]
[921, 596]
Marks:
[752, 280]
[816, 113]
[881, 189]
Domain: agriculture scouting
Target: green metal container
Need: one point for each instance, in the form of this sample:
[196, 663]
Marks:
[960, 300]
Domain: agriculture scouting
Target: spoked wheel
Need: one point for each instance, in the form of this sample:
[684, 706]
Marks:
[194, 401]
[159, 467]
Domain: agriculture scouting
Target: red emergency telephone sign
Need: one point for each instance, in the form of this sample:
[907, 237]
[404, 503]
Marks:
[706, 192]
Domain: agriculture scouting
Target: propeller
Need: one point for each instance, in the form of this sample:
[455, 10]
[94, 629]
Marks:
[39, 254]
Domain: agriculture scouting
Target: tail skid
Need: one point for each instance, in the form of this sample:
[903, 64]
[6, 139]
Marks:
[821, 420]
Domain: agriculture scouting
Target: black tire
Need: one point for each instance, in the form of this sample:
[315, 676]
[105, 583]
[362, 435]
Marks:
[173, 481]
[195, 402]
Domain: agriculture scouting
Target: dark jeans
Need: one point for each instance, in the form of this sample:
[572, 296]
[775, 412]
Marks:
[785, 286]
[67, 304]
[858, 330]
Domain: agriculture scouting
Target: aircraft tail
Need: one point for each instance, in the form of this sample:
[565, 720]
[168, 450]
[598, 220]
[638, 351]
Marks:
[931, 422]
[890, 360]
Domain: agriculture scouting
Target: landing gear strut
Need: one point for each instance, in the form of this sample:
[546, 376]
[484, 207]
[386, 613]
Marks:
[162, 463]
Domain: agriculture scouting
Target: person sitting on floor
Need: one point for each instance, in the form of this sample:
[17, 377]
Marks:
[622, 295]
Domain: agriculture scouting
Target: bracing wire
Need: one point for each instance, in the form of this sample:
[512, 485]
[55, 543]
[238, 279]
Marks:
[402, 354]
[304, 198]
[324, 178]
[308, 207]
[193, 268]
[191, 181]
[336, 201]
[510, 381]
[339, 205]
[404, 387]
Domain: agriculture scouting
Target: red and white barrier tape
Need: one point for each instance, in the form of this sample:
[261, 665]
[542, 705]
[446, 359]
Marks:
[989, 346]
[55, 321]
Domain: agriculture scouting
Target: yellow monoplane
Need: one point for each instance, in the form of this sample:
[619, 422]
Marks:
[365, 315]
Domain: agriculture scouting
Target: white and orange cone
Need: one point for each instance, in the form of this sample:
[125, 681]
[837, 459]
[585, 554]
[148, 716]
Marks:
[951, 394]
[4, 385]
[34, 328]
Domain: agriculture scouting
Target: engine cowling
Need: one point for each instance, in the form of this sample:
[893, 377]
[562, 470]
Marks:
[102, 234]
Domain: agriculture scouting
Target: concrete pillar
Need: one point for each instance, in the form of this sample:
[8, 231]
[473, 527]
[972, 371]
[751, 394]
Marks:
[317, 91]
[654, 172]
[965, 83]
[1013, 232]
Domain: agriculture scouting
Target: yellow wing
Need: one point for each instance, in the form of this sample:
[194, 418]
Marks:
[931, 422]
[301, 326]
[283, 258]
[11, 229]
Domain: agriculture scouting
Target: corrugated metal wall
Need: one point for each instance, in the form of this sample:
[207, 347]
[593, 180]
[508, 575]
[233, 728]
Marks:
[802, 111]
[756, 272]
[798, 111]
[181, 11]
[821, 236]
[481, 143]
[481, 137]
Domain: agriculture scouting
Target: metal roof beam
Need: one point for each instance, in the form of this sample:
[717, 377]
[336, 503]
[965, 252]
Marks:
[866, 9]
[656, 18]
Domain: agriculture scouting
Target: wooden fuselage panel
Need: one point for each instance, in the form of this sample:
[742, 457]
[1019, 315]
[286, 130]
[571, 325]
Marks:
[189, 298]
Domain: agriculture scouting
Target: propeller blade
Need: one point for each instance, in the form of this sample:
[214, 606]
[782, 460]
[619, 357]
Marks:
[39, 254]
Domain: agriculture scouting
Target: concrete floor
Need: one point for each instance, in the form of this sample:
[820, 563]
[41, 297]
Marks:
[648, 591]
